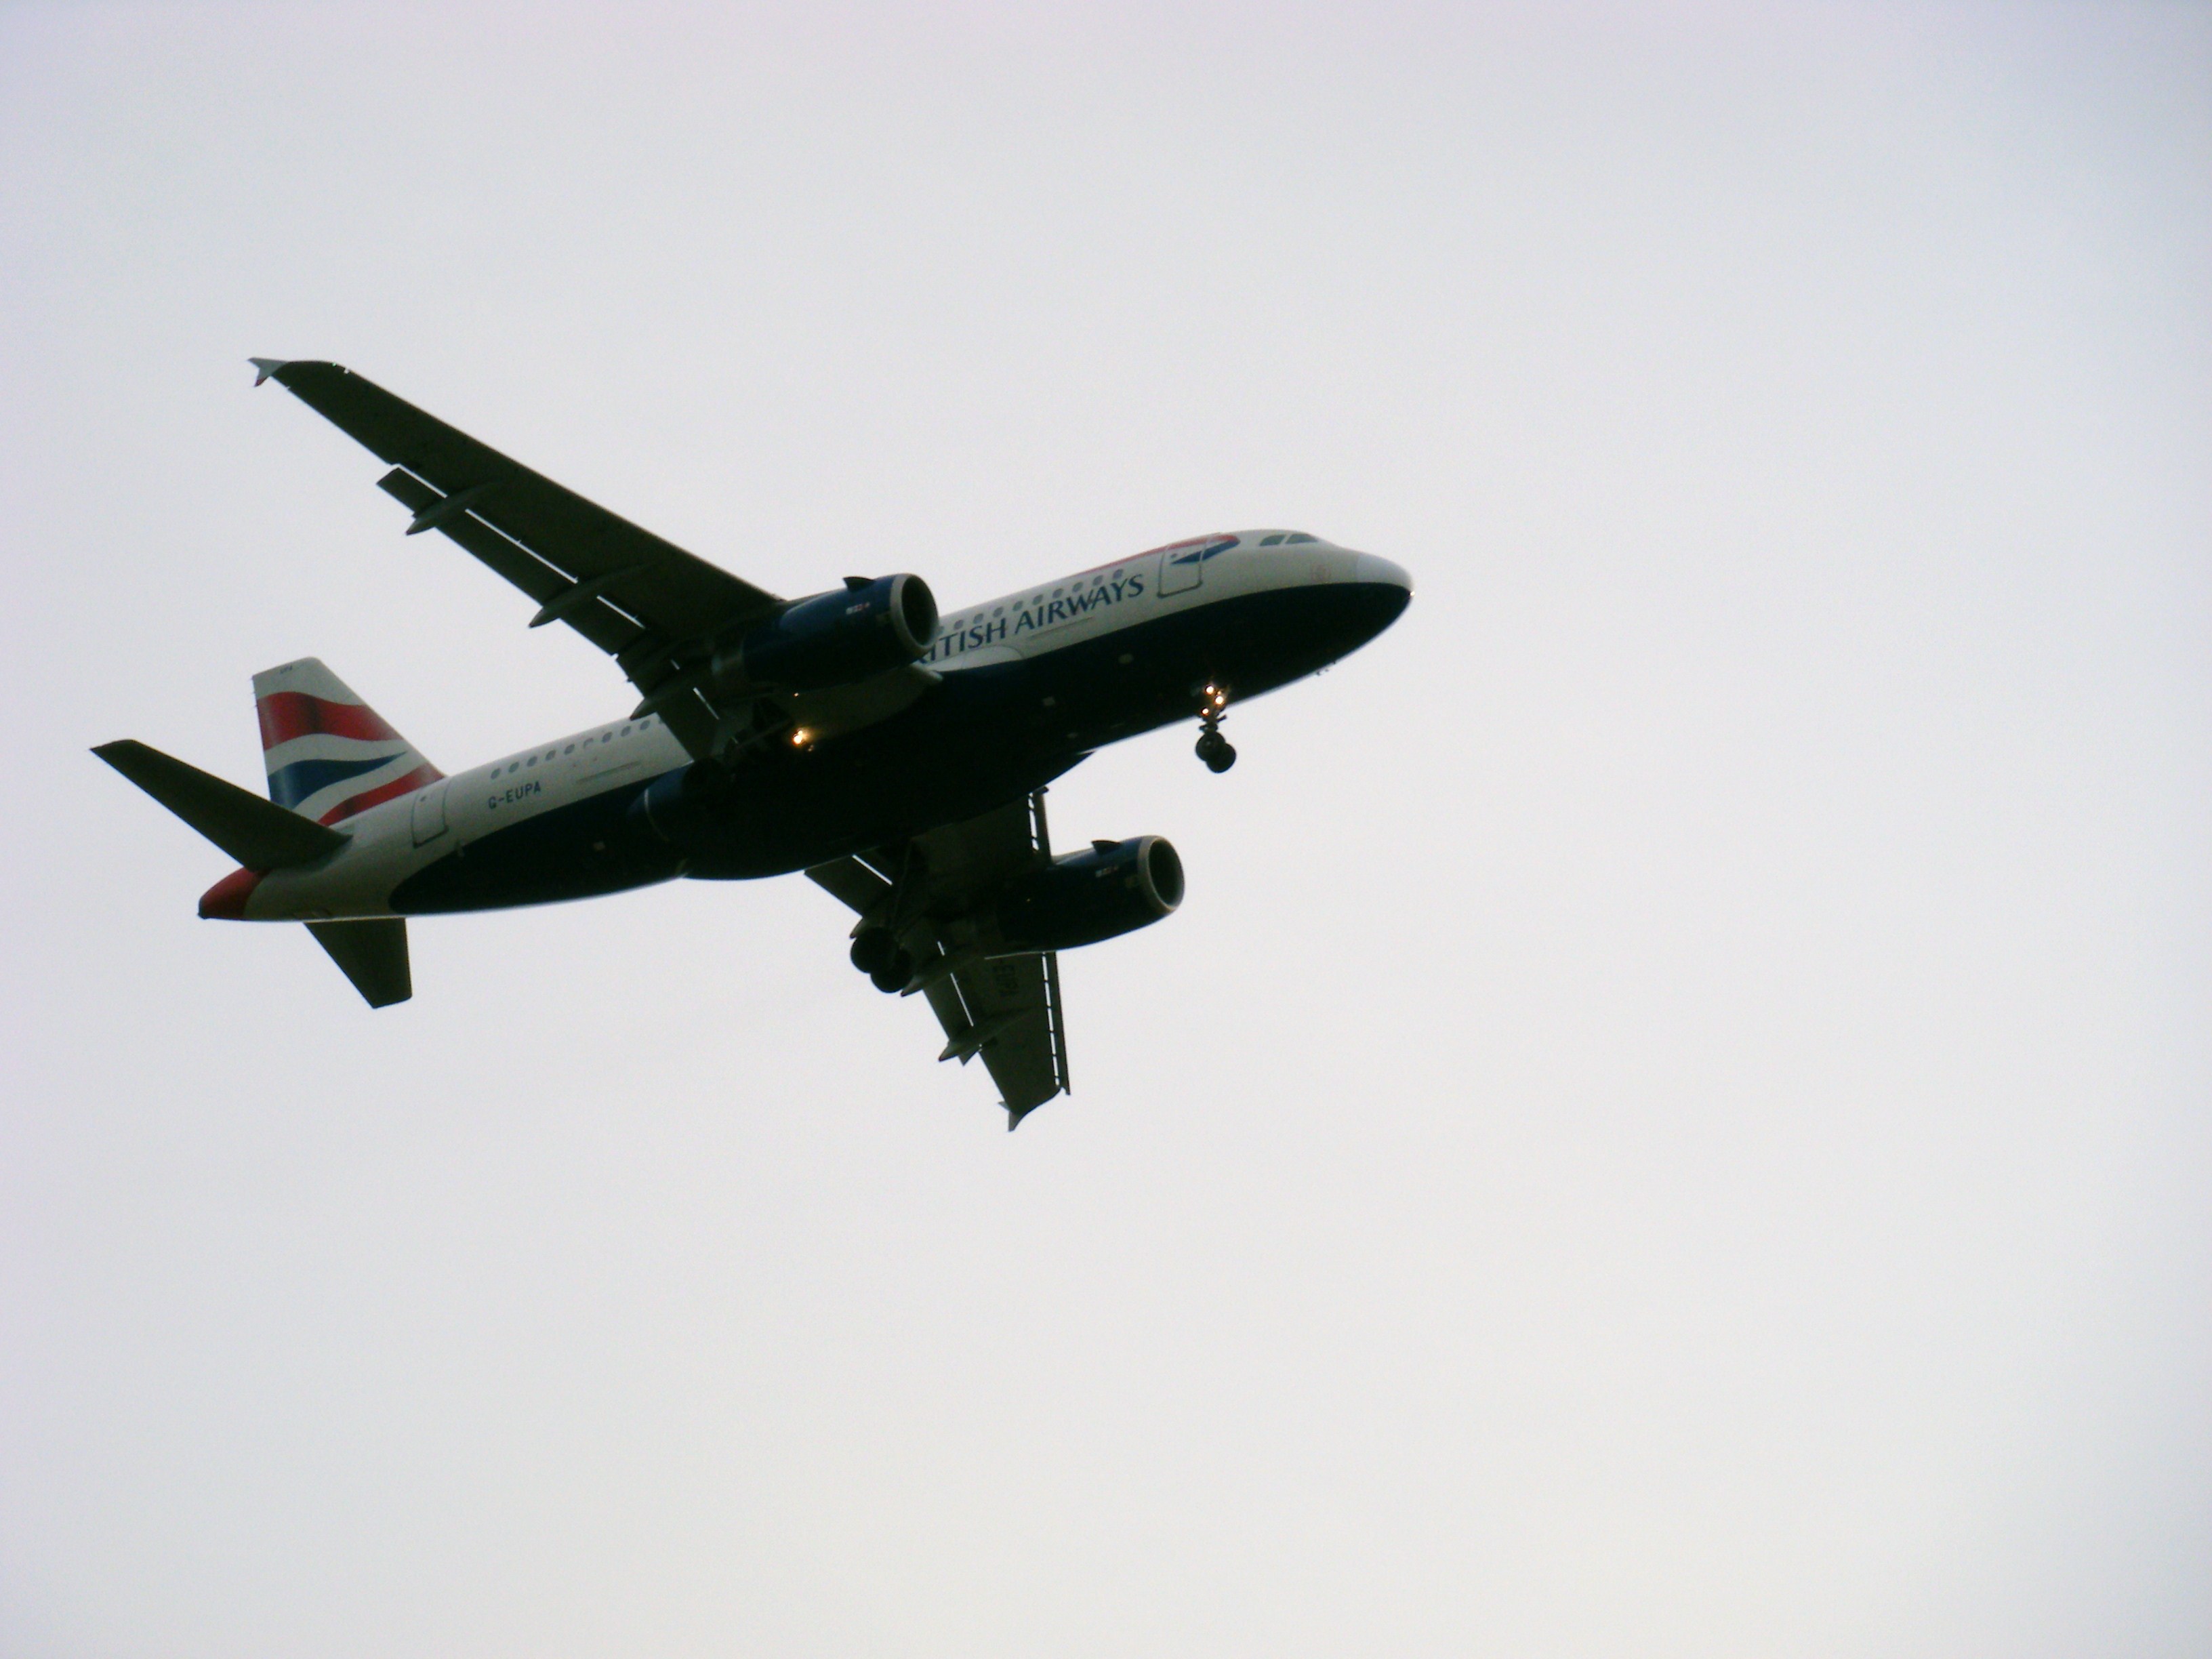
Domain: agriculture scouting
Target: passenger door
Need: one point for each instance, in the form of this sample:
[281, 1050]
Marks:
[1182, 568]
[430, 812]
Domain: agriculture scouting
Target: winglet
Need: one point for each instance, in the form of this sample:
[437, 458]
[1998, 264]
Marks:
[264, 367]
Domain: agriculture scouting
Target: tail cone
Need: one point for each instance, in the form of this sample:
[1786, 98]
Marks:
[225, 900]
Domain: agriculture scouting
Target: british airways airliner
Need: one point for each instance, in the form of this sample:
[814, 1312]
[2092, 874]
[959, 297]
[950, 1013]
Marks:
[900, 759]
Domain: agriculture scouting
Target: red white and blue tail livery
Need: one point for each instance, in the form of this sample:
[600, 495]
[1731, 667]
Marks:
[328, 753]
[901, 764]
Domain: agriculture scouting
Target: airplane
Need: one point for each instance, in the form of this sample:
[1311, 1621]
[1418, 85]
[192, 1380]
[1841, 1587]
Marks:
[899, 758]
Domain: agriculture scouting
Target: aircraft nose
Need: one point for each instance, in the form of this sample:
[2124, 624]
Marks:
[1376, 596]
[1383, 573]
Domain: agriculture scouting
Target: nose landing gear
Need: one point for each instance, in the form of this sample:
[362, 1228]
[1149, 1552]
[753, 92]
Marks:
[1215, 751]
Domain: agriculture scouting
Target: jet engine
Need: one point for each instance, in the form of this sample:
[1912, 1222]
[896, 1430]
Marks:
[837, 638]
[1110, 887]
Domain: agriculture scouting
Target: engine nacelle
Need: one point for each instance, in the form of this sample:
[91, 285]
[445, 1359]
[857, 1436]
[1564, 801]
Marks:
[836, 638]
[1110, 887]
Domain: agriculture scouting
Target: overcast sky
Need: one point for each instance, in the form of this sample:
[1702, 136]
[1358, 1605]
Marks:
[1676, 1118]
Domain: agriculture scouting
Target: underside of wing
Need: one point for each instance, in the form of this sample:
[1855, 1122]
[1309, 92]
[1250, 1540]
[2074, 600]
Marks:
[1008, 1015]
[1004, 1009]
[641, 599]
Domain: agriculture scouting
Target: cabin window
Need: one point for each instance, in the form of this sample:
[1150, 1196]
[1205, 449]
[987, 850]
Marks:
[998, 610]
[570, 750]
[533, 761]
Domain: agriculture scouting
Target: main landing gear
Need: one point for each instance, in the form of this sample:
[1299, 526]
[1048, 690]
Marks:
[876, 954]
[1215, 751]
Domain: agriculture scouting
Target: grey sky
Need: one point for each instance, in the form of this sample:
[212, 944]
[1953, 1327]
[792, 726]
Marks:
[1674, 1120]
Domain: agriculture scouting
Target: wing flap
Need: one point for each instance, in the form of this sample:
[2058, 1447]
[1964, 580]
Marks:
[1011, 1006]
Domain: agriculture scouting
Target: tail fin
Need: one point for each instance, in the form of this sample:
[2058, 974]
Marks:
[329, 754]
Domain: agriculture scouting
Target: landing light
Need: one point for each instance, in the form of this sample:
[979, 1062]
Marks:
[800, 736]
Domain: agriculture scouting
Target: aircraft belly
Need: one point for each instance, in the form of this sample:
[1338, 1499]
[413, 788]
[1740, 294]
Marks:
[1251, 643]
[988, 734]
[577, 850]
[992, 733]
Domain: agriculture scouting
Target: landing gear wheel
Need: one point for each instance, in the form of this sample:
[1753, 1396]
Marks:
[872, 949]
[894, 974]
[1213, 748]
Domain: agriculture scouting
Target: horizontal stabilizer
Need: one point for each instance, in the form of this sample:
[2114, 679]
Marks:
[372, 954]
[256, 832]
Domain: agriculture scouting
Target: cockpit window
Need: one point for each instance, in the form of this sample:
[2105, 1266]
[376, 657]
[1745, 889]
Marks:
[1286, 538]
[1292, 541]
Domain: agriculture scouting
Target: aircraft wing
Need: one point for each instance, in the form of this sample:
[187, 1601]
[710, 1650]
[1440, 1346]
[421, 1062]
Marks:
[639, 599]
[1007, 1009]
